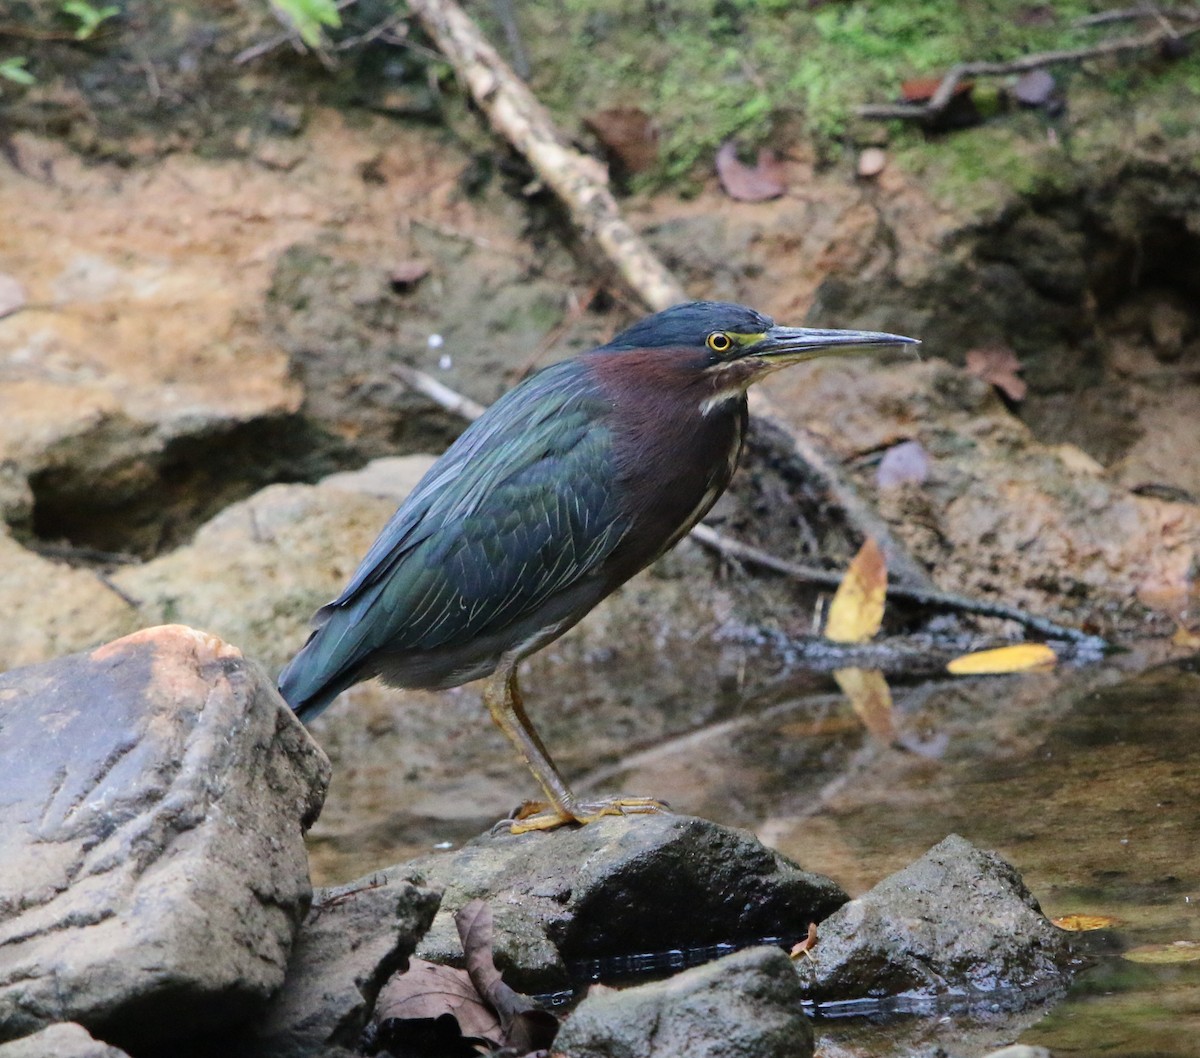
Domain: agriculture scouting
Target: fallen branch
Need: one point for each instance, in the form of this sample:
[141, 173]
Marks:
[945, 90]
[441, 395]
[578, 180]
[935, 599]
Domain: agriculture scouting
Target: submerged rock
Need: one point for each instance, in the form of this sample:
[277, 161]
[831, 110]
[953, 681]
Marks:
[746, 1005]
[619, 886]
[957, 922]
[154, 799]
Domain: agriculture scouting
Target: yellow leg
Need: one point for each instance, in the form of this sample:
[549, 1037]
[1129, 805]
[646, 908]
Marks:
[502, 696]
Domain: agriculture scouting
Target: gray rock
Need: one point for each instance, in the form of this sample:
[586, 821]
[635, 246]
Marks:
[152, 809]
[746, 1005]
[65, 1040]
[1020, 1050]
[619, 886]
[957, 921]
[354, 939]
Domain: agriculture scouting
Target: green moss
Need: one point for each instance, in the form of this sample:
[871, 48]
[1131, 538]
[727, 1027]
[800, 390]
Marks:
[706, 71]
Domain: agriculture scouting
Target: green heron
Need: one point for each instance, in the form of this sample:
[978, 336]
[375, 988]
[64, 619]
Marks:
[565, 488]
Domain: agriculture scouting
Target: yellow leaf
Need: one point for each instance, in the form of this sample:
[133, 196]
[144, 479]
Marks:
[1084, 923]
[1017, 658]
[857, 608]
[1186, 638]
[1180, 951]
[871, 699]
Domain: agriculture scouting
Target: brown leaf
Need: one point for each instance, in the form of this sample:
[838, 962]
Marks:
[12, 295]
[998, 365]
[523, 1024]
[857, 608]
[1177, 952]
[628, 134]
[407, 274]
[1085, 923]
[428, 991]
[805, 946]
[746, 183]
[871, 699]
[1018, 658]
[923, 89]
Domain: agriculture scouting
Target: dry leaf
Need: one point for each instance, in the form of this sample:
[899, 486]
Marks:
[871, 699]
[923, 89]
[1018, 658]
[427, 992]
[407, 274]
[628, 134]
[1180, 951]
[746, 183]
[1085, 923]
[998, 365]
[805, 946]
[904, 464]
[857, 608]
[1186, 638]
[871, 162]
[524, 1025]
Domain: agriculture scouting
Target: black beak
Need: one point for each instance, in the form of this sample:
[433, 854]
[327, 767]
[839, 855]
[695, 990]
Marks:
[791, 345]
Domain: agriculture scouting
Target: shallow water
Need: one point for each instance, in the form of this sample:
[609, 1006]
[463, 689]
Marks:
[1086, 779]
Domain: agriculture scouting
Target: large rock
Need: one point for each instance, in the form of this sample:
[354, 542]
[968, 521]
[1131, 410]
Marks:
[746, 1005]
[957, 922]
[354, 939]
[64, 1040]
[152, 810]
[619, 886]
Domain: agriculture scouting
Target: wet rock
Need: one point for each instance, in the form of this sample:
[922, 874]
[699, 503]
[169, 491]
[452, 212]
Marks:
[746, 1004]
[619, 886]
[957, 921]
[1020, 1050]
[154, 796]
[353, 940]
[64, 1040]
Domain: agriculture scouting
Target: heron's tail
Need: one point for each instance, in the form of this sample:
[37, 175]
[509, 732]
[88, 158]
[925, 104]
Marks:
[305, 682]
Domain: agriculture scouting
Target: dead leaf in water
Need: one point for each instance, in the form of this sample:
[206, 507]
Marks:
[1180, 951]
[871, 699]
[857, 608]
[1085, 923]
[750, 183]
[1018, 658]
[805, 946]
[427, 992]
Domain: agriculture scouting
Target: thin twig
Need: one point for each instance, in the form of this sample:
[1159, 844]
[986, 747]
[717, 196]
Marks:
[945, 91]
[1130, 14]
[938, 599]
[290, 36]
[442, 395]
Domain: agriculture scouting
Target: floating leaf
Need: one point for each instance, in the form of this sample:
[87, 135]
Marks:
[1085, 923]
[747, 183]
[871, 699]
[1180, 951]
[998, 365]
[1018, 658]
[857, 608]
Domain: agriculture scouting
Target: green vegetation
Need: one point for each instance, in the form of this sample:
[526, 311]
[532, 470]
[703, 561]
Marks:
[88, 18]
[708, 71]
[13, 69]
[310, 17]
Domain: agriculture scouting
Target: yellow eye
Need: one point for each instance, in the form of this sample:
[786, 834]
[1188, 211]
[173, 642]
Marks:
[719, 342]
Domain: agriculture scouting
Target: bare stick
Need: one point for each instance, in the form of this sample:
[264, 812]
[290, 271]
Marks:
[441, 395]
[579, 180]
[939, 99]
[941, 600]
